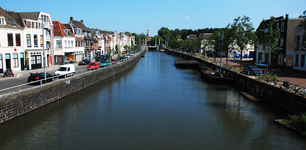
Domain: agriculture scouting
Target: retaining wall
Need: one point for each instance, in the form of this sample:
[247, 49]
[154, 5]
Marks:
[14, 105]
[286, 100]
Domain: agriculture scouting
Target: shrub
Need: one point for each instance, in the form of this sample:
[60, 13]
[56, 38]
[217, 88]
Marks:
[298, 121]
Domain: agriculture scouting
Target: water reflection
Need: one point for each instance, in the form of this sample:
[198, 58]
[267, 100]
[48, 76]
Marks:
[152, 105]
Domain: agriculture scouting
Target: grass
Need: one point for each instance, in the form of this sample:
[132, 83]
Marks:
[298, 121]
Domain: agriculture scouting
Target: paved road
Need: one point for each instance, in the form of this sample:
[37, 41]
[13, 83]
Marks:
[21, 77]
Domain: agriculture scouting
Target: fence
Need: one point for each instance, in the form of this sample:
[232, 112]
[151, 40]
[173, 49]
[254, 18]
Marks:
[274, 81]
[21, 87]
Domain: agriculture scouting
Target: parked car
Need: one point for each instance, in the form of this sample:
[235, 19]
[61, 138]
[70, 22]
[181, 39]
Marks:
[104, 63]
[93, 66]
[121, 58]
[39, 76]
[101, 58]
[260, 64]
[252, 70]
[65, 70]
[114, 61]
[127, 56]
[84, 62]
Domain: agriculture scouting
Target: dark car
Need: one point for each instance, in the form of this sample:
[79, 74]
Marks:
[84, 62]
[38, 76]
[252, 70]
[101, 58]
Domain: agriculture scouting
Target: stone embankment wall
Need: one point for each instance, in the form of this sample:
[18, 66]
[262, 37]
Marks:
[15, 105]
[287, 100]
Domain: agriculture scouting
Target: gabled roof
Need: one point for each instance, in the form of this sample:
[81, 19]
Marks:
[79, 25]
[10, 20]
[31, 15]
[18, 17]
[59, 29]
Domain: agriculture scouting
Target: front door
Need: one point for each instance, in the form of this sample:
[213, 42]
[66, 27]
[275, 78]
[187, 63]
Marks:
[22, 61]
[1, 64]
[8, 61]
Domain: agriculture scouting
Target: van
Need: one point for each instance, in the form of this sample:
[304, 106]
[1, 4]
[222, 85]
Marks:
[68, 70]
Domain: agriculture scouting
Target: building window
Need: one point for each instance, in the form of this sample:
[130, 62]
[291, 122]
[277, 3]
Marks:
[58, 44]
[33, 60]
[296, 60]
[71, 43]
[18, 42]
[28, 40]
[297, 43]
[68, 44]
[38, 59]
[2, 21]
[10, 39]
[302, 60]
[39, 25]
[259, 56]
[76, 43]
[28, 24]
[281, 42]
[65, 43]
[41, 41]
[15, 60]
[35, 41]
[264, 47]
[283, 27]
[280, 59]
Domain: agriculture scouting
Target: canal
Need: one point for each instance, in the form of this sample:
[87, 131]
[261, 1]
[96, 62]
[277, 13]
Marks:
[152, 105]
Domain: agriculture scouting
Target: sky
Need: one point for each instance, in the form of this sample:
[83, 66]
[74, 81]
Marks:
[138, 16]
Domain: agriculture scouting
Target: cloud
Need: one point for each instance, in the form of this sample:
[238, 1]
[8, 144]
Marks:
[186, 17]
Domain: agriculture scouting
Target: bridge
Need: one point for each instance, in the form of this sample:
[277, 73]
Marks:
[153, 48]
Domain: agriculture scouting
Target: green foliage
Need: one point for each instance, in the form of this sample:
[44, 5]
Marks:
[269, 33]
[298, 121]
[243, 33]
[117, 51]
[26, 61]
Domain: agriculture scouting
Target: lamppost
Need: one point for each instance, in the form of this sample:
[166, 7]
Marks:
[44, 59]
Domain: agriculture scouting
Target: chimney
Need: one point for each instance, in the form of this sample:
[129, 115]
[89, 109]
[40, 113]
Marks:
[82, 21]
[71, 18]
[287, 16]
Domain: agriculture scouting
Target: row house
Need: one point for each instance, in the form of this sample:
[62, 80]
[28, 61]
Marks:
[38, 32]
[11, 43]
[299, 52]
[99, 37]
[66, 47]
[25, 40]
[283, 57]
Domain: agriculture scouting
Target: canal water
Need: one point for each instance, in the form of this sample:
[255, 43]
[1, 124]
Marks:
[152, 105]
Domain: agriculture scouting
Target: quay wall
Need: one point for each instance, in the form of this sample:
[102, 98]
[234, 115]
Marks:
[14, 105]
[286, 100]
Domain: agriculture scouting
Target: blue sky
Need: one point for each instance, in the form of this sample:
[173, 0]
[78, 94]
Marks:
[138, 16]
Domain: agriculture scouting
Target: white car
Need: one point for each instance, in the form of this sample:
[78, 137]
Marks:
[260, 64]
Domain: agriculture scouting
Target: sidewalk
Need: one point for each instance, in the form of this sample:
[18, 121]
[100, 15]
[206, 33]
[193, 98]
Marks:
[293, 76]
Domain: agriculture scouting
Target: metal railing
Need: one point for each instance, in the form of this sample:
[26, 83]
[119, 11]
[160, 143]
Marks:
[274, 81]
[19, 88]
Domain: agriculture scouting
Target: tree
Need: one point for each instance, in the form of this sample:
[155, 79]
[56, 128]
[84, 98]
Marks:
[270, 34]
[117, 51]
[244, 33]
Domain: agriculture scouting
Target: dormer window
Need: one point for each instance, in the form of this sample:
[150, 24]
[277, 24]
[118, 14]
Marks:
[67, 32]
[2, 21]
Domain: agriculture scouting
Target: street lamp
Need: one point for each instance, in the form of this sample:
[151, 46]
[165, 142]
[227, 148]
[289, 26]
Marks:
[44, 59]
